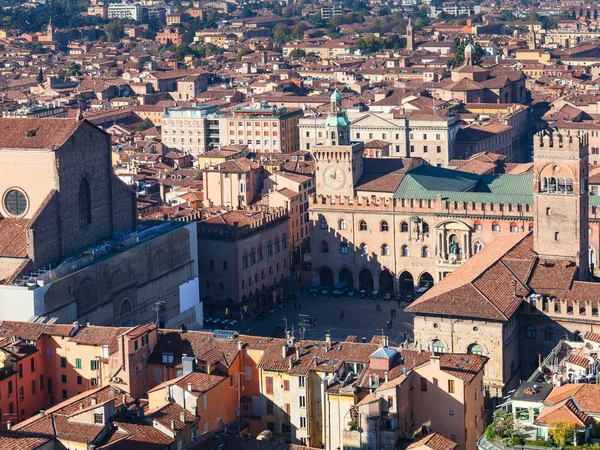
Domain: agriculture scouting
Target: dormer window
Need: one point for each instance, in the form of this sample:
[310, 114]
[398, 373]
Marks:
[167, 358]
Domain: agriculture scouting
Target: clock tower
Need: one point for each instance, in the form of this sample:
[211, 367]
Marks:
[339, 161]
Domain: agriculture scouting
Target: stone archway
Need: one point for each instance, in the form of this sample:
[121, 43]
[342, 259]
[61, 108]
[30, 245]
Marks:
[407, 283]
[365, 280]
[386, 282]
[346, 275]
[326, 276]
[425, 280]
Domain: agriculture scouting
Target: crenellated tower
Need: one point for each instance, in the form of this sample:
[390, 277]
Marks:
[561, 198]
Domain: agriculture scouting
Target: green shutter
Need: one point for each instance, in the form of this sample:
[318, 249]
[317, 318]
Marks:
[78, 363]
[92, 365]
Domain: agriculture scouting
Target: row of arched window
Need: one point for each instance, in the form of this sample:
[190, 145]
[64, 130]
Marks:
[557, 185]
[385, 249]
[362, 225]
[438, 346]
[256, 254]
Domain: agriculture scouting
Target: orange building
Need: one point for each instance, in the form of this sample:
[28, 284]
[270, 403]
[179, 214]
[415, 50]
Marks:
[174, 36]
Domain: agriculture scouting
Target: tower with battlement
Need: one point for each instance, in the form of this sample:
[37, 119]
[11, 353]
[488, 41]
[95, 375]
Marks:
[561, 198]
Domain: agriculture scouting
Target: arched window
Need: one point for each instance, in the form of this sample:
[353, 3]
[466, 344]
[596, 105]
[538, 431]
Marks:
[244, 260]
[531, 226]
[85, 203]
[514, 227]
[269, 249]
[277, 248]
[477, 225]
[125, 307]
[475, 349]
[344, 248]
[324, 247]
[568, 186]
[425, 227]
[577, 336]
[252, 257]
[551, 186]
[385, 250]
[437, 346]
[405, 250]
[284, 241]
[260, 252]
[364, 249]
[404, 227]
[560, 185]
[342, 224]
[477, 247]
[362, 225]
[425, 252]
[495, 225]
[384, 226]
[323, 223]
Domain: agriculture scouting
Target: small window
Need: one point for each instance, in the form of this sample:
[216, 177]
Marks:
[404, 227]
[451, 386]
[423, 384]
[362, 225]
[384, 226]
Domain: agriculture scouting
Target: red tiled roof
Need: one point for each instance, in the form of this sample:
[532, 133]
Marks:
[36, 134]
[434, 441]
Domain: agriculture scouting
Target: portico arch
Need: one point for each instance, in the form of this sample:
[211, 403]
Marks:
[346, 275]
[326, 276]
[386, 282]
[407, 283]
[365, 280]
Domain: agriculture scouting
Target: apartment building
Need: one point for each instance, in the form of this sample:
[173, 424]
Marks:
[235, 183]
[192, 129]
[265, 129]
[128, 11]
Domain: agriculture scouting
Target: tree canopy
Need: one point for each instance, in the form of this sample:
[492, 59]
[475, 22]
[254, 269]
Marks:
[115, 31]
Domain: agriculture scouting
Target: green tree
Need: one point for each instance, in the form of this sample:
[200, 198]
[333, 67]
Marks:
[40, 76]
[459, 52]
[297, 53]
[370, 44]
[115, 31]
[73, 70]
[282, 34]
[562, 433]
[241, 53]
[146, 124]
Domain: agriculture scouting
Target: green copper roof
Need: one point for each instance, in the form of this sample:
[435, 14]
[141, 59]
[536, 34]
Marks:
[337, 121]
[426, 182]
[335, 95]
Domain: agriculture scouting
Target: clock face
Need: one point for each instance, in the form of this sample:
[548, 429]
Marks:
[334, 177]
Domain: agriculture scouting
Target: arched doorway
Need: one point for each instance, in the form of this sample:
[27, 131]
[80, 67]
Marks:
[365, 280]
[346, 275]
[407, 283]
[326, 276]
[425, 280]
[386, 282]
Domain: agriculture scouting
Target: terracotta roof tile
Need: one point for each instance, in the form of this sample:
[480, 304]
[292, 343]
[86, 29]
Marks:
[434, 441]
[36, 134]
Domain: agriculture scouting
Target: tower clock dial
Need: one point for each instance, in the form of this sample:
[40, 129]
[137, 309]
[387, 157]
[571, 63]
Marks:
[334, 177]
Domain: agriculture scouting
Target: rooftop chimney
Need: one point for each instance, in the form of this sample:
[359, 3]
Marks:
[385, 341]
[190, 387]
[284, 351]
[172, 425]
[328, 340]
[182, 417]
[435, 361]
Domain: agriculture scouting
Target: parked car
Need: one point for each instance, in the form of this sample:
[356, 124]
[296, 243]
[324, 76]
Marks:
[351, 293]
[340, 288]
[375, 294]
[362, 293]
[325, 291]
[315, 288]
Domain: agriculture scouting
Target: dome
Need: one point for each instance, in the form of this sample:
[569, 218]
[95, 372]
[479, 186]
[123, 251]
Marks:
[470, 48]
[335, 95]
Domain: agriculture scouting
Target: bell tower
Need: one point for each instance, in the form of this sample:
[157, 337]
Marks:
[531, 39]
[560, 198]
[339, 161]
[410, 39]
[337, 125]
